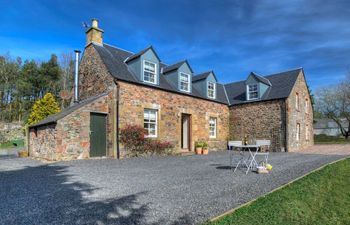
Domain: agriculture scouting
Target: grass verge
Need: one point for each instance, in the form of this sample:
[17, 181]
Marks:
[323, 197]
[12, 144]
[324, 139]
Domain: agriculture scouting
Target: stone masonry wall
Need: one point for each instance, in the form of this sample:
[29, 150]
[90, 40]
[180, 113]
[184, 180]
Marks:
[303, 116]
[43, 143]
[260, 120]
[170, 106]
[94, 77]
[70, 137]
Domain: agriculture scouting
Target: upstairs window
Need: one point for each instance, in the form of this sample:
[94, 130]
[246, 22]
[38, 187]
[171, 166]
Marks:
[149, 72]
[150, 122]
[297, 101]
[306, 106]
[253, 91]
[211, 90]
[185, 82]
[212, 127]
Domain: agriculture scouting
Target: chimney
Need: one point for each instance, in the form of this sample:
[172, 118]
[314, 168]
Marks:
[94, 33]
[76, 76]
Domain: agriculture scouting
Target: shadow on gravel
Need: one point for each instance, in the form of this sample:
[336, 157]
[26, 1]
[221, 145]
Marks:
[44, 195]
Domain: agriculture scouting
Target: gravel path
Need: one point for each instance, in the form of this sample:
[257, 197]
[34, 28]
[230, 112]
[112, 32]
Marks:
[169, 190]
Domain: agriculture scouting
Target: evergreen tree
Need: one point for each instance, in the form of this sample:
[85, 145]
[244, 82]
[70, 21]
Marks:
[43, 108]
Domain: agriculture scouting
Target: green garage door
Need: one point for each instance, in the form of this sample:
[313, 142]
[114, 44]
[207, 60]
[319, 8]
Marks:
[97, 134]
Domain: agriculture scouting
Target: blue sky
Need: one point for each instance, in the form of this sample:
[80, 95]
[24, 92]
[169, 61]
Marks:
[231, 37]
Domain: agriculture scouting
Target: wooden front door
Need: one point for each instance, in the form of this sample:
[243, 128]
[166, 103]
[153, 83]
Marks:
[186, 131]
[98, 134]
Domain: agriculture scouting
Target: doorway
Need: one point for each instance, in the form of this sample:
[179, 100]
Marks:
[186, 132]
[98, 132]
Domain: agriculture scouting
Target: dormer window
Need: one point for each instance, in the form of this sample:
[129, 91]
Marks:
[253, 92]
[185, 82]
[211, 89]
[149, 72]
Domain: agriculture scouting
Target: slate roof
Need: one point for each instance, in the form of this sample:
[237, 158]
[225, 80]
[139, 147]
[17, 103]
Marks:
[114, 58]
[65, 112]
[202, 76]
[136, 55]
[261, 79]
[234, 93]
[281, 87]
[175, 66]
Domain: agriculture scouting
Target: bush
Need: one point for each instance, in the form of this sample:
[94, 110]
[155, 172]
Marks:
[133, 138]
[159, 147]
[43, 108]
[134, 141]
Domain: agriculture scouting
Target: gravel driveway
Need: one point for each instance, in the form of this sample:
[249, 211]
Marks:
[169, 190]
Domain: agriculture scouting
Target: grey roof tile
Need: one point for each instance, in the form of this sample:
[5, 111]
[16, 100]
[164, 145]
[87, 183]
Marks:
[202, 76]
[167, 69]
[261, 79]
[136, 55]
[281, 87]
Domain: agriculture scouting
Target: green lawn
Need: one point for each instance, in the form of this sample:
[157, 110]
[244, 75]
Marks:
[324, 139]
[322, 197]
[12, 144]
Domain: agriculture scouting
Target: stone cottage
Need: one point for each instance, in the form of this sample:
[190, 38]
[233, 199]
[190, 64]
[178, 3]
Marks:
[117, 87]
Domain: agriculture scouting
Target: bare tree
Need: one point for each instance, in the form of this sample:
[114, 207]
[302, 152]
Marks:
[334, 103]
[67, 67]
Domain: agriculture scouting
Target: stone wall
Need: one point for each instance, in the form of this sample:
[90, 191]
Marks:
[94, 77]
[11, 131]
[69, 138]
[260, 120]
[303, 116]
[170, 106]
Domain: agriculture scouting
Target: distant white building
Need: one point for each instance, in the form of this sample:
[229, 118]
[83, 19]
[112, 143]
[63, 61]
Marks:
[328, 127]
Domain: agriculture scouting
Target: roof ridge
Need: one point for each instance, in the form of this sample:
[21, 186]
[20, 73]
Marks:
[113, 46]
[284, 71]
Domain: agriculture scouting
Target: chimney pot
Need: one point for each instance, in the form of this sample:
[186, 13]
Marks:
[95, 23]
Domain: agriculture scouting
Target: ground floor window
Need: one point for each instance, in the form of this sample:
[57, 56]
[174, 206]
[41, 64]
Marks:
[150, 122]
[298, 132]
[212, 127]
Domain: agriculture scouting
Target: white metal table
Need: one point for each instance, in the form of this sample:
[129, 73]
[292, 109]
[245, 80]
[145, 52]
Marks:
[249, 161]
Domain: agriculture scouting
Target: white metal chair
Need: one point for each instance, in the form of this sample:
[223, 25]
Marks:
[237, 144]
[266, 143]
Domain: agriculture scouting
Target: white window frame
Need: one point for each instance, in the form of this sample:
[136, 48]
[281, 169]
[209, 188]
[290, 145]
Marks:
[149, 122]
[297, 138]
[188, 84]
[249, 91]
[214, 89]
[155, 72]
[215, 127]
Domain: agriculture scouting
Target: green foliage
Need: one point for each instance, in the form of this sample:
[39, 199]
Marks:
[13, 143]
[21, 84]
[133, 139]
[43, 108]
[198, 144]
[319, 198]
[324, 139]
[205, 145]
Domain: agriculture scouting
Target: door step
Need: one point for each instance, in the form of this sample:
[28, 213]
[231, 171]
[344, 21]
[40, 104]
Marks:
[185, 153]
